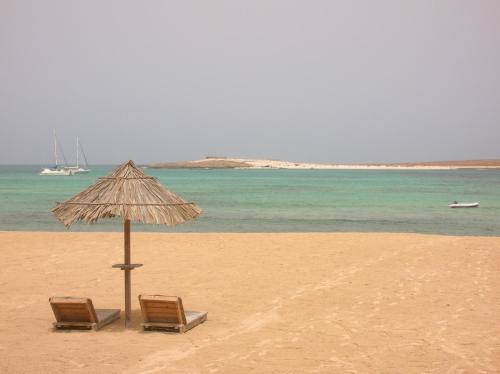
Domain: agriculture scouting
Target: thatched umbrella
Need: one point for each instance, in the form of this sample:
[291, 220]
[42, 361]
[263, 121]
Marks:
[131, 194]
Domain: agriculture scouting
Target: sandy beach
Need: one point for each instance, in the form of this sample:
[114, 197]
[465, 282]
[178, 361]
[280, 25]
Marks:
[277, 303]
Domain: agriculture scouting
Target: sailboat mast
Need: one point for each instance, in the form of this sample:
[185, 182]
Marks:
[77, 149]
[55, 147]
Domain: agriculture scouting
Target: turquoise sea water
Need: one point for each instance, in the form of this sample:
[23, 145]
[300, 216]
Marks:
[280, 200]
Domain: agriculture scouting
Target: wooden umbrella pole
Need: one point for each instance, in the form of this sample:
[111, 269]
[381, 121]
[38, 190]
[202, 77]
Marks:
[127, 267]
[128, 308]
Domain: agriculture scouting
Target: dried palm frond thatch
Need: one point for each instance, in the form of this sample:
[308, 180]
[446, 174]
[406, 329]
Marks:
[129, 193]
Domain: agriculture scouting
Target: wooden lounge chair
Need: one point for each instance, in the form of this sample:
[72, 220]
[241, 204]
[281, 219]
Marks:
[78, 313]
[167, 313]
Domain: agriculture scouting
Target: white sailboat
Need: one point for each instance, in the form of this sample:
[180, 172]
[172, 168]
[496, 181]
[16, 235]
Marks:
[56, 170]
[77, 169]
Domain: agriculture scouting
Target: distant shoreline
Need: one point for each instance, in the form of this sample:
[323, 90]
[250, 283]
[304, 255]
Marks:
[240, 163]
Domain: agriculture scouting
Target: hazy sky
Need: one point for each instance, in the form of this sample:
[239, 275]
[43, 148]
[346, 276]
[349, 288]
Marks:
[324, 81]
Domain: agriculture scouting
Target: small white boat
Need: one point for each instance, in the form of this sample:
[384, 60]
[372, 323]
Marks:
[56, 171]
[76, 169]
[464, 205]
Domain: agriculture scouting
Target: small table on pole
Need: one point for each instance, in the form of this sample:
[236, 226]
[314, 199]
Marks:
[126, 266]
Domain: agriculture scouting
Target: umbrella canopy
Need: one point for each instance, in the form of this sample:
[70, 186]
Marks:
[129, 193]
